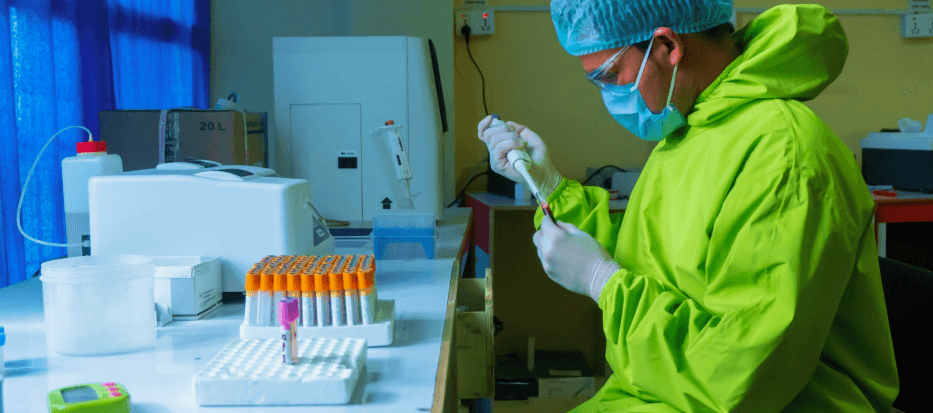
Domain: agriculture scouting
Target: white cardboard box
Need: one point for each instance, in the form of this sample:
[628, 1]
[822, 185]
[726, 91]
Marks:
[190, 287]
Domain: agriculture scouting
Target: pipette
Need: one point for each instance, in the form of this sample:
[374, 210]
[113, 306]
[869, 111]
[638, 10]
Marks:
[391, 138]
[514, 157]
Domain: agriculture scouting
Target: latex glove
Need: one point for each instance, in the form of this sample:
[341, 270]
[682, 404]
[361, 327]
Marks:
[502, 139]
[573, 258]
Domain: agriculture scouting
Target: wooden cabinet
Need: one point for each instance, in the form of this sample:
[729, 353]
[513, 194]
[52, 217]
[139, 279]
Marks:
[475, 331]
[527, 302]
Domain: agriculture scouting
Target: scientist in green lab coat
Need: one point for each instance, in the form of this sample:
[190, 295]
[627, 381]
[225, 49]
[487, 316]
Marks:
[743, 275]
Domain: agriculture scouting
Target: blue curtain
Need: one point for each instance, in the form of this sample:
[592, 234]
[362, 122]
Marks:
[63, 61]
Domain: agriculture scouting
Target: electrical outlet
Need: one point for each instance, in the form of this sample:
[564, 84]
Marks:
[914, 6]
[917, 25]
[481, 21]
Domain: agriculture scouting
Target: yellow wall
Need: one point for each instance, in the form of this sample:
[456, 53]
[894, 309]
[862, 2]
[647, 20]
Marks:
[531, 80]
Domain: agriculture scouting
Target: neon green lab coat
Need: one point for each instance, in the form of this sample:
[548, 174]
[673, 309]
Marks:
[750, 275]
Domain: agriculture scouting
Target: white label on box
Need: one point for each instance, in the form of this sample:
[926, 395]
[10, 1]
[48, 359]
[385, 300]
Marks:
[567, 388]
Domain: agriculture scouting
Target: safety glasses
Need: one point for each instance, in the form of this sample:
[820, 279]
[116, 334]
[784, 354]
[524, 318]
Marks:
[603, 75]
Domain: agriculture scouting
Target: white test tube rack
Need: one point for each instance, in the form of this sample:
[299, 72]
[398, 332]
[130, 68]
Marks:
[380, 333]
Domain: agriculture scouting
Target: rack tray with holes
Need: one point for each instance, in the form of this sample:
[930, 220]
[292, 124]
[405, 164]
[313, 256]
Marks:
[251, 372]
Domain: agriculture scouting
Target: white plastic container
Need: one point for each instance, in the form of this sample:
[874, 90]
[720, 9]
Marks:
[99, 304]
[92, 160]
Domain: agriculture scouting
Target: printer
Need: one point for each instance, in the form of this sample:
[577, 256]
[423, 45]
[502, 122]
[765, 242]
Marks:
[901, 159]
[239, 213]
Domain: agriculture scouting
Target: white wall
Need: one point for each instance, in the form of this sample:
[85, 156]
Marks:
[241, 45]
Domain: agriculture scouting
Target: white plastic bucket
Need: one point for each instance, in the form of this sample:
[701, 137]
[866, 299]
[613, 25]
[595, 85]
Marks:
[97, 305]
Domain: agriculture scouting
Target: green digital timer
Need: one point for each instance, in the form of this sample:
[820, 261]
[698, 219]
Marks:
[107, 397]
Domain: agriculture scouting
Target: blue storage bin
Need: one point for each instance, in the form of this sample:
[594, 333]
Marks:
[404, 236]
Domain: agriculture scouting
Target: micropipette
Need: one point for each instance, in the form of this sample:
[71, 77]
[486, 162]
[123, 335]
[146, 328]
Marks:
[516, 155]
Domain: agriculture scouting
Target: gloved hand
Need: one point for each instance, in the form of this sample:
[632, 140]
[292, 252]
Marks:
[573, 258]
[502, 139]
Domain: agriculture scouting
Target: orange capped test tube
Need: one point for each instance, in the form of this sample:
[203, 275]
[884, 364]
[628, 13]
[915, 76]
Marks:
[367, 286]
[293, 288]
[264, 308]
[279, 287]
[321, 292]
[338, 311]
[351, 290]
[252, 296]
[287, 262]
[308, 307]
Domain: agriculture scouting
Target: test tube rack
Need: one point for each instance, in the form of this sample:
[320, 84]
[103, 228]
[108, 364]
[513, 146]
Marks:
[251, 373]
[345, 314]
[380, 333]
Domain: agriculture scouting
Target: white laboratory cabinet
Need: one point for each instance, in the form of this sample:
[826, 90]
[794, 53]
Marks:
[330, 94]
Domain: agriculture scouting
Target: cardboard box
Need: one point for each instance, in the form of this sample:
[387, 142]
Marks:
[513, 380]
[146, 138]
[564, 375]
[190, 287]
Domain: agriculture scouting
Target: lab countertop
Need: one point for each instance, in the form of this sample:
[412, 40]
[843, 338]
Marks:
[399, 378]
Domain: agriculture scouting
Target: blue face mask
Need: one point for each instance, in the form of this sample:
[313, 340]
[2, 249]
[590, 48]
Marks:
[628, 107]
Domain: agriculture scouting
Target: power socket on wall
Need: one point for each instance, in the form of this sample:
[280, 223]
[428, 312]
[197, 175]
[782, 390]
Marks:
[917, 25]
[481, 21]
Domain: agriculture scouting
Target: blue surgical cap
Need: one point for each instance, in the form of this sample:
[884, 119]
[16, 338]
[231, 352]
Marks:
[587, 26]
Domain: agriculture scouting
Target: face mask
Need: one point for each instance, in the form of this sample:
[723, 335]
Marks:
[628, 107]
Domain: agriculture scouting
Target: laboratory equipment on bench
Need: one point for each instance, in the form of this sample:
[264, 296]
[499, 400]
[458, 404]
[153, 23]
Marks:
[250, 372]
[238, 213]
[404, 235]
[520, 161]
[902, 159]
[394, 153]
[188, 164]
[92, 160]
[99, 305]
[338, 299]
[106, 397]
[327, 103]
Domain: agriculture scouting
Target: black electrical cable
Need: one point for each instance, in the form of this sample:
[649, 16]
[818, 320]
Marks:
[465, 30]
[460, 196]
[600, 170]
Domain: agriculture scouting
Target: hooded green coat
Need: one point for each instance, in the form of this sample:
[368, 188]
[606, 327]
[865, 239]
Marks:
[750, 275]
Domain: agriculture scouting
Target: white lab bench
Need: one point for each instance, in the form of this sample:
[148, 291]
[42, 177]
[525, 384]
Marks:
[408, 376]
